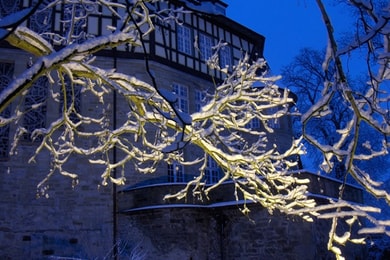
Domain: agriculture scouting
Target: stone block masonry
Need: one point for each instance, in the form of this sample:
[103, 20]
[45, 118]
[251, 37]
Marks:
[70, 222]
[225, 233]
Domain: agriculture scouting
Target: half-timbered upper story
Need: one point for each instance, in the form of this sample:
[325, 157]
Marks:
[184, 44]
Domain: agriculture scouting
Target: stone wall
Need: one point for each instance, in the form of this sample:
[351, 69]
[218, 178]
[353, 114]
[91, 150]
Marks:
[61, 219]
[224, 233]
[69, 222]
[216, 228]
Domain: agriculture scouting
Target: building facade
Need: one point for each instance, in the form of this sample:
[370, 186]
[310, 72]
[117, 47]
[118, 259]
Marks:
[91, 221]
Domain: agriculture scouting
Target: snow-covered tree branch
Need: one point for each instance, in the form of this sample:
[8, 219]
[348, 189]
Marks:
[366, 105]
[155, 130]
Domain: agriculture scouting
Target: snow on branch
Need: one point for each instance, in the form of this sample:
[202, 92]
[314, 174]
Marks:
[367, 108]
[154, 130]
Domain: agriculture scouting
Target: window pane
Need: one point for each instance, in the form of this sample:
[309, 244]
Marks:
[184, 39]
[175, 172]
[273, 122]
[205, 46]
[253, 124]
[225, 57]
[182, 97]
[6, 72]
[212, 171]
[200, 100]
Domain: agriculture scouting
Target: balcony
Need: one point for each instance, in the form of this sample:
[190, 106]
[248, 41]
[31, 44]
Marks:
[150, 195]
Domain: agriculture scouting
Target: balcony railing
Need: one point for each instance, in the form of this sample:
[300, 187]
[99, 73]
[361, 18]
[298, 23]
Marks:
[151, 196]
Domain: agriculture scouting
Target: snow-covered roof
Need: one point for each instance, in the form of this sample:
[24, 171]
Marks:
[214, 7]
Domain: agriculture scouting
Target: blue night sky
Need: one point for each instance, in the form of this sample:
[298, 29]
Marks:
[288, 26]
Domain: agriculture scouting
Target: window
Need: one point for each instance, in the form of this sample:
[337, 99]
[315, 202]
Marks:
[35, 107]
[8, 7]
[183, 35]
[73, 100]
[41, 21]
[273, 122]
[205, 46]
[212, 171]
[175, 172]
[200, 99]
[182, 97]
[6, 72]
[225, 57]
[253, 124]
[75, 29]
